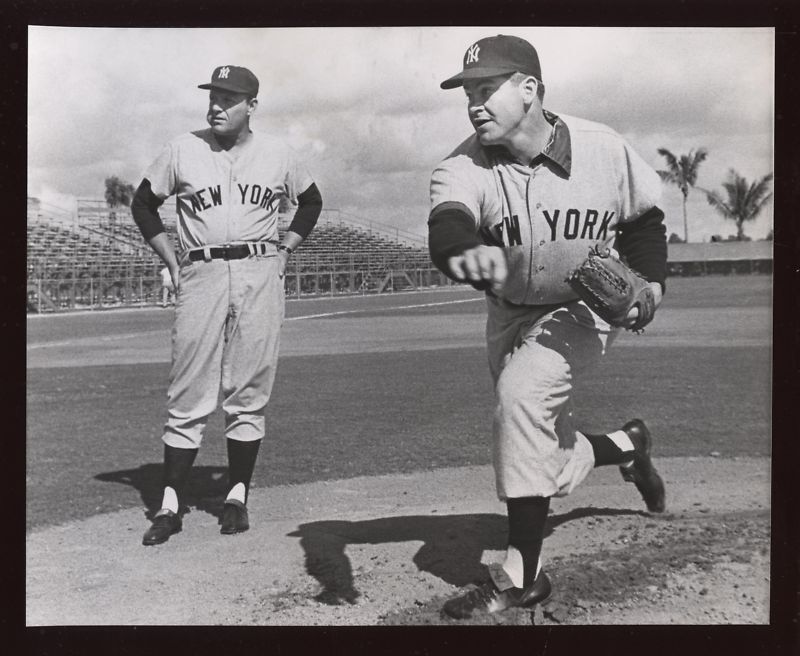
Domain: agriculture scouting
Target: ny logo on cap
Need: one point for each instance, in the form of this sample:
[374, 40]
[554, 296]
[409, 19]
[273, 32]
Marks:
[472, 54]
[223, 73]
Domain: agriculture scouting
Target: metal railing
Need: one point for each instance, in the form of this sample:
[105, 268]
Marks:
[92, 292]
[113, 282]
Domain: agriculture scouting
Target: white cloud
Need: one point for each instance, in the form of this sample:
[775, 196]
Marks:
[363, 105]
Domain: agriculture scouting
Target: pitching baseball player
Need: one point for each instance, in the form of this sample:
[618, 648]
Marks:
[515, 208]
[228, 275]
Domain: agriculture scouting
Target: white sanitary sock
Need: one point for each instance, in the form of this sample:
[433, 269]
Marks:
[623, 442]
[237, 492]
[514, 567]
[170, 501]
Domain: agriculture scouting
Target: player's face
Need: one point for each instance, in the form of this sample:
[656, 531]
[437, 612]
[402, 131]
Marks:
[496, 108]
[228, 112]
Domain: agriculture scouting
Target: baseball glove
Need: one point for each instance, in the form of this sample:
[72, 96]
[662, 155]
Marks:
[611, 288]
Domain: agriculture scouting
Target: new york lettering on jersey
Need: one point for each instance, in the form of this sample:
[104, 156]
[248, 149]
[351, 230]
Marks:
[570, 224]
[545, 226]
[255, 195]
[249, 194]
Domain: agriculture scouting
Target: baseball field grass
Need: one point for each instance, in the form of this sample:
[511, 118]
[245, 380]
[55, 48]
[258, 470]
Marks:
[373, 498]
[371, 386]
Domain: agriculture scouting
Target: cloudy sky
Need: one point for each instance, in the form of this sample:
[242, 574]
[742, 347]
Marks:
[363, 107]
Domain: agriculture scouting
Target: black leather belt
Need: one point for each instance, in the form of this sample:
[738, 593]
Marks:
[231, 252]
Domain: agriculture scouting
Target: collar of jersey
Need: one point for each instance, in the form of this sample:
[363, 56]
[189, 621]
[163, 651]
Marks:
[559, 149]
[211, 140]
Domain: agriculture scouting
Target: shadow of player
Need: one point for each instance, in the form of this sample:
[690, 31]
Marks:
[452, 545]
[206, 488]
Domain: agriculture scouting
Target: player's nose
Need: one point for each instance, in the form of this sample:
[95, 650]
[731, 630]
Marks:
[216, 112]
[474, 107]
[475, 112]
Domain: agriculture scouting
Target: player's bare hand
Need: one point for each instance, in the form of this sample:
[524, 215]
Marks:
[175, 274]
[482, 264]
[633, 314]
[283, 259]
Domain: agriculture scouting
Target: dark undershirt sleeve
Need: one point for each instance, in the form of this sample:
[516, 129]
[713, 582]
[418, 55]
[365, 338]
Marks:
[643, 244]
[144, 209]
[451, 231]
[308, 211]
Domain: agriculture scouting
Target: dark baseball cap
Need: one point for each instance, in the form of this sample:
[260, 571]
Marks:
[496, 55]
[233, 78]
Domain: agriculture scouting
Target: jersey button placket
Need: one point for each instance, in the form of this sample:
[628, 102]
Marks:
[230, 213]
[538, 208]
[532, 224]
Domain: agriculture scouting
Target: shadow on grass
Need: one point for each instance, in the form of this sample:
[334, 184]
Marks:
[206, 488]
[452, 545]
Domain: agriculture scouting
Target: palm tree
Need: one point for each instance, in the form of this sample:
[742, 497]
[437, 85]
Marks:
[682, 172]
[743, 201]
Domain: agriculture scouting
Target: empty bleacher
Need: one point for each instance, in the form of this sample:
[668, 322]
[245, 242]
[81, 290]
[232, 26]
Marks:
[60, 251]
[98, 258]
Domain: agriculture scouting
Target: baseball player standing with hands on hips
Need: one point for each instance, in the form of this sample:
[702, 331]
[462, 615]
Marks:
[515, 208]
[228, 276]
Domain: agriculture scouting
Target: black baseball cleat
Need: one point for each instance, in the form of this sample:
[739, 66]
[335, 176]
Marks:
[642, 473]
[234, 517]
[165, 523]
[492, 597]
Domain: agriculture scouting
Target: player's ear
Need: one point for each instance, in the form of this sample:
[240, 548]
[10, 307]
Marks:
[528, 87]
[251, 106]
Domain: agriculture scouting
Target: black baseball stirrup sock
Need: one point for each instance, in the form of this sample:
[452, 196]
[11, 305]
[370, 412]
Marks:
[241, 462]
[606, 452]
[526, 518]
[177, 464]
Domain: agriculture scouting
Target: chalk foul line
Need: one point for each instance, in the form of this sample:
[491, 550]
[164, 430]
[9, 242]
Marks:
[322, 315]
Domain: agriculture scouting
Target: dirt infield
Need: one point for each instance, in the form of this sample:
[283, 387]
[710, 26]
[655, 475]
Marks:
[366, 510]
[390, 549]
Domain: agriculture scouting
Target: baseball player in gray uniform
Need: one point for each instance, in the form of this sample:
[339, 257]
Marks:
[515, 208]
[228, 274]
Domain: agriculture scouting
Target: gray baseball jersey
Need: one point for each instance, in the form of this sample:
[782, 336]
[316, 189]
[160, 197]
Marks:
[547, 218]
[223, 198]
